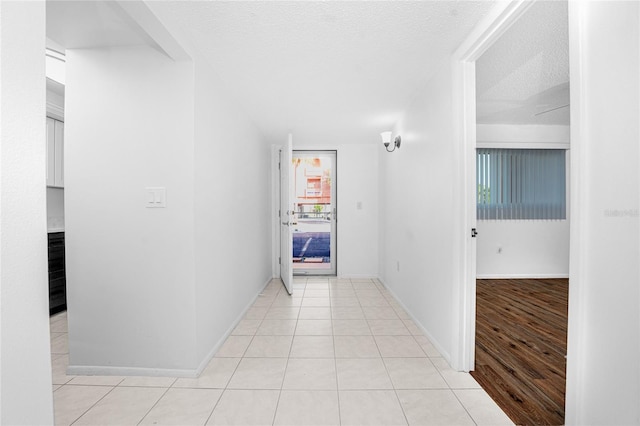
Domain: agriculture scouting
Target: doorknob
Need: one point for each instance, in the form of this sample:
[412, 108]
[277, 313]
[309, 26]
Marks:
[285, 223]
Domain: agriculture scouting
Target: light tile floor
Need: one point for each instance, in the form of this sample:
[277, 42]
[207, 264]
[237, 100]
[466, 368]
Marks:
[337, 352]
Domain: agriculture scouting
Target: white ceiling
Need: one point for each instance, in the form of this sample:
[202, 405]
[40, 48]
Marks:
[526, 72]
[342, 72]
[330, 72]
[76, 24]
[334, 72]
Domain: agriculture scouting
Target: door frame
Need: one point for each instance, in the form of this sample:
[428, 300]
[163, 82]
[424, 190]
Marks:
[275, 207]
[334, 202]
[275, 203]
[285, 214]
[492, 27]
[275, 211]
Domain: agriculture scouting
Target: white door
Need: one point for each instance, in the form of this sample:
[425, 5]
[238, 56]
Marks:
[286, 212]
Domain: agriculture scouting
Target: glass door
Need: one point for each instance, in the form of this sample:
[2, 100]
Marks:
[314, 212]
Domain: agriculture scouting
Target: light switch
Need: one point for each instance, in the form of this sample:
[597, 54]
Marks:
[156, 197]
[359, 205]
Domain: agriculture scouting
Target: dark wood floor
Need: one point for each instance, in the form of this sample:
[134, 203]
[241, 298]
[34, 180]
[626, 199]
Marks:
[521, 343]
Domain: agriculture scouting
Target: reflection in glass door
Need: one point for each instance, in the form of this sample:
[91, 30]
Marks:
[314, 207]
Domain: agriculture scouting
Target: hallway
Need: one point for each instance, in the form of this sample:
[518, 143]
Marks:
[339, 351]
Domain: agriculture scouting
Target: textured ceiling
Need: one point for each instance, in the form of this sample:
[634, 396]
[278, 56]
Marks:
[330, 72]
[341, 72]
[524, 76]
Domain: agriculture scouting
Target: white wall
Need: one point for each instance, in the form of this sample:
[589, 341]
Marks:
[232, 211]
[603, 365]
[357, 229]
[416, 211]
[55, 209]
[25, 360]
[130, 269]
[523, 136]
[357, 182]
[231, 203]
[171, 283]
[523, 248]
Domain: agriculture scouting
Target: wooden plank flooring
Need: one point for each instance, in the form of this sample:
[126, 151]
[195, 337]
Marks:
[521, 343]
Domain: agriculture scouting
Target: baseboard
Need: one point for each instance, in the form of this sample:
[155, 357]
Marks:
[433, 341]
[216, 347]
[357, 276]
[519, 276]
[339, 276]
[89, 370]
[82, 370]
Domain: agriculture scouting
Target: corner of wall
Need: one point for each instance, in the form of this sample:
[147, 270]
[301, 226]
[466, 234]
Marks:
[26, 396]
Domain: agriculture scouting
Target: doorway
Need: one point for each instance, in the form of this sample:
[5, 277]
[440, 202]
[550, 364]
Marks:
[519, 155]
[314, 212]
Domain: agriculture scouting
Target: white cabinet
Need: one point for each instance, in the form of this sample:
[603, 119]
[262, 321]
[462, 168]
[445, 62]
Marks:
[55, 153]
[51, 137]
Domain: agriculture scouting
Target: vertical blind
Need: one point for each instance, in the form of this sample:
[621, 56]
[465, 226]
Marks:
[521, 184]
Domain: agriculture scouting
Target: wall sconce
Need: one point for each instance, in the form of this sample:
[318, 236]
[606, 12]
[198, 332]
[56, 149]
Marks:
[386, 140]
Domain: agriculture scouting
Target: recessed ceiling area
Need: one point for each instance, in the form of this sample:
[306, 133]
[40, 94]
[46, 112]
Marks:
[329, 72]
[524, 77]
[92, 24]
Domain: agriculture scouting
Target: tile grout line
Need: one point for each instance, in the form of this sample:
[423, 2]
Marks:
[464, 407]
[92, 406]
[449, 388]
[226, 388]
[270, 304]
[335, 358]
[67, 384]
[284, 374]
[154, 405]
[395, 391]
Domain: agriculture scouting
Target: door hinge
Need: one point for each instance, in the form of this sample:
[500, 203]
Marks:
[279, 166]
[279, 261]
[474, 232]
[279, 213]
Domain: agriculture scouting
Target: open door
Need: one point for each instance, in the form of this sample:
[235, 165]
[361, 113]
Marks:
[286, 212]
[314, 212]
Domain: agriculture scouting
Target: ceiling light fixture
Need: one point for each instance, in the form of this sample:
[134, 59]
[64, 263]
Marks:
[386, 140]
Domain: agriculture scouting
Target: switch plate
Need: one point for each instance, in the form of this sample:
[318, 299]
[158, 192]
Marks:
[156, 197]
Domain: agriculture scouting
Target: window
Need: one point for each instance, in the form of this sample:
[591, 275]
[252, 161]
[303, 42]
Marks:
[521, 184]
